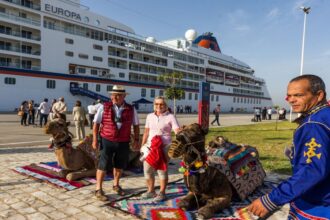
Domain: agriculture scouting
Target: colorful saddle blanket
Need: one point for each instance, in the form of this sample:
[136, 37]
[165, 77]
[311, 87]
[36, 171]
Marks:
[240, 164]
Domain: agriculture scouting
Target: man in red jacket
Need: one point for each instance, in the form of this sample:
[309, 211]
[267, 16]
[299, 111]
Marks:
[113, 123]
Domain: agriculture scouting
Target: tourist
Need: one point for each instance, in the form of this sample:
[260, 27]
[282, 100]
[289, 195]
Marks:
[307, 190]
[269, 113]
[257, 114]
[31, 113]
[79, 118]
[44, 110]
[113, 121]
[91, 113]
[160, 122]
[216, 113]
[25, 110]
[59, 109]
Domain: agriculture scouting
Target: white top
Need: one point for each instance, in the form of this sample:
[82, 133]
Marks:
[161, 125]
[97, 106]
[269, 111]
[44, 108]
[91, 109]
[99, 114]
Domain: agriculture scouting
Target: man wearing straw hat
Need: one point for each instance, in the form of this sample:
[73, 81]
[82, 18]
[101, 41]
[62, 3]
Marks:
[113, 123]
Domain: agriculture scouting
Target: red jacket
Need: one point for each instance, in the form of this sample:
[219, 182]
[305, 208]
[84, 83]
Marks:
[109, 128]
[156, 158]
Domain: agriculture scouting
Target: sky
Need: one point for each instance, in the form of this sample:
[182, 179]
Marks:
[265, 34]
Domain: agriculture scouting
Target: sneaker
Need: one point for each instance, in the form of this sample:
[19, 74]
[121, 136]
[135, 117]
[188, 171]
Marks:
[159, 198]
[100, 195]
[148, 195]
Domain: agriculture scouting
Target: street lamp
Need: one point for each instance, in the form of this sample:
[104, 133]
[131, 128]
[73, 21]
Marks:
[306, 11]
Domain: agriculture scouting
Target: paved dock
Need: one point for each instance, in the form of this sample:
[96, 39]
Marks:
[25, 198]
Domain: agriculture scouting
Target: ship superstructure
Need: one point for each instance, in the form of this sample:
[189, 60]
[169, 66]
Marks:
[48, 47]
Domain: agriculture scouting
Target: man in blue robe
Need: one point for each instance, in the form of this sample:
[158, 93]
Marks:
[308, 189]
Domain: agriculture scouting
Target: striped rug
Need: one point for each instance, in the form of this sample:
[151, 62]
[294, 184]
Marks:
[48, 172]
[147, 209]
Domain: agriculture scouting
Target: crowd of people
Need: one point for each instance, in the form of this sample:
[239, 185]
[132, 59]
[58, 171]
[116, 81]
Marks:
[112, 122]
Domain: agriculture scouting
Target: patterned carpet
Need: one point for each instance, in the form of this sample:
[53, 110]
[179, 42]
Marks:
[48, 172]
[147, 209]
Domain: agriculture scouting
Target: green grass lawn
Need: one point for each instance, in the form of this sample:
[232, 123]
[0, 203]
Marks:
[269, 141]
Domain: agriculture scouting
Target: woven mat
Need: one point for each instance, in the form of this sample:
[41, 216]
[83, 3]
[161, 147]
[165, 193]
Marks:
[147, 209]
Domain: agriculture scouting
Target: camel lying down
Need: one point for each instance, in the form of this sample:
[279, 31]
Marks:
[80, 161]
[211, 187]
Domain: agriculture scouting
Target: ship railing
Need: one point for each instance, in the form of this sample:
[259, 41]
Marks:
[27, 4]
[18, 49]
[20, 19]
[19, 66]
[19, 34]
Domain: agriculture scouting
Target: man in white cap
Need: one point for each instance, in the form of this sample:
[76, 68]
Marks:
[113, 123]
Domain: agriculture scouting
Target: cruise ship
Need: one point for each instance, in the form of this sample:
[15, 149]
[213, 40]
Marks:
[55, 48]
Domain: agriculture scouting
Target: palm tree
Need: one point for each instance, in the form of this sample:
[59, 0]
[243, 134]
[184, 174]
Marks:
[173, 91]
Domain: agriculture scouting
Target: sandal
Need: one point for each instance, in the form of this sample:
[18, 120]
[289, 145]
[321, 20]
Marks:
[118, 190]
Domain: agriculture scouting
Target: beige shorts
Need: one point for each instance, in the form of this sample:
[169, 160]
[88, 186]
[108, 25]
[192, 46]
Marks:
[149, 171]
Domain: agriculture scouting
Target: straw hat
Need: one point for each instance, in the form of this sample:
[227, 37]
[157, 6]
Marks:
[118, 89]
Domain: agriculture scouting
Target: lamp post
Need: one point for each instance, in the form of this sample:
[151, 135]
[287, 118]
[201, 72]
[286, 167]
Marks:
[306, 11]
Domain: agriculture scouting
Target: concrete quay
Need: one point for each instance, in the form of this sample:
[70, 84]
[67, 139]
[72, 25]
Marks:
[25, 198]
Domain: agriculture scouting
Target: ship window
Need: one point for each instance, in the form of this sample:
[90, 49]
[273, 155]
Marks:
[83, 56]
[81, 70]
[26, 64]
[237, 99]
[22, 15]
[93, 72]
[152, 93]
[161, 92]
[51, 84]
[3, 10]
[234, 99]
[189, 96]
[85, 86]
[68, 41]
[98, 87]
[109, 88]
[212, 98]
[69, 53]
[183, 96]
[196, 96]
[10, 80]
[95, 58]
[143, 92]
[217, 98]
[122, 75]
[97, 47]
[86, 19]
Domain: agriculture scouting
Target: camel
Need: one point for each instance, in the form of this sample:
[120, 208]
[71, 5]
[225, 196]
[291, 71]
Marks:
[210, 189]
[80, 161]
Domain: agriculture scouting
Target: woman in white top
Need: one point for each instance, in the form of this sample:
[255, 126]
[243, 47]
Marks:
[160, 122]
[79, 117]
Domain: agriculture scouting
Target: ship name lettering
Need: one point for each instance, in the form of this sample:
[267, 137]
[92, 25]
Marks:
[63, 12]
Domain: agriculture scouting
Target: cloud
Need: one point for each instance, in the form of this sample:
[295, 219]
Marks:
[273, 13]
[237, 20]
[242, 28]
